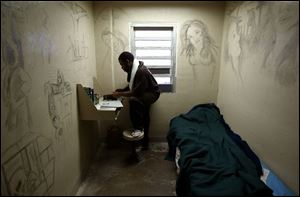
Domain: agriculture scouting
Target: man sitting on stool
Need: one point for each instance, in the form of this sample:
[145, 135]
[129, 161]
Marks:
[142, 91]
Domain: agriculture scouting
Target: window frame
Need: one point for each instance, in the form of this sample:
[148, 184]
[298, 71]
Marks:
[166, 88]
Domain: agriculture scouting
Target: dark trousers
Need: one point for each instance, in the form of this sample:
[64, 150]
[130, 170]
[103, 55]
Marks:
[139, 108]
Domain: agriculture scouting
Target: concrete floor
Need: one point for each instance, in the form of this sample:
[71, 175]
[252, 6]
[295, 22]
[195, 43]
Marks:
[113, 174]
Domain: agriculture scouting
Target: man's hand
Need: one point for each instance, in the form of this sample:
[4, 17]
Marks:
[116, 94]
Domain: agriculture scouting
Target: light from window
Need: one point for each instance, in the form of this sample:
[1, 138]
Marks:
[163, 80]
[154, 45]
[153, 34]
[153, 52]
[154, 63]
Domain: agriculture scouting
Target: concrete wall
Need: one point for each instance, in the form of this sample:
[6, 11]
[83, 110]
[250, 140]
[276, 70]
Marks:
[46, 49]
[259, 81]
[194, 84]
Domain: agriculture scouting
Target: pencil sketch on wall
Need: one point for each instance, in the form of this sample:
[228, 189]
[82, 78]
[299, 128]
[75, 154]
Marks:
[197, 44]
[108, 13]
[234, 50]
[78, 46]
[118, 38]
[28, 167]
[114, 40]
[24, 15]
[287, 25]
[59, 105]
[258, 33]
[40, 39]
[16, 82]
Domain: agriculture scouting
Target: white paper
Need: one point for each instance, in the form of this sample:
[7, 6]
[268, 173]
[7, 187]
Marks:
[115, 104]
[98, 107]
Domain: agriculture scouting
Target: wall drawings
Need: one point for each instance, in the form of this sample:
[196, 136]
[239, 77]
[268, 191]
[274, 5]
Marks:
[115, 41]
[255, 35]
[28, 167]
[234, 47]
[78, 47]
[59, 105]
[197, 45]
[16, 82]
[39, 40]
[287, 51]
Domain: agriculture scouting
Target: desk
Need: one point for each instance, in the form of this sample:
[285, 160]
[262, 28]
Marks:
[89, 111]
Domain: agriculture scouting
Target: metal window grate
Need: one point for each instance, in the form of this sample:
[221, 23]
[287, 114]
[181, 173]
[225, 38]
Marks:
[155, 46]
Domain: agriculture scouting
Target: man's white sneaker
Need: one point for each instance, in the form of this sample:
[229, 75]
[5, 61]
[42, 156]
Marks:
[137, 133]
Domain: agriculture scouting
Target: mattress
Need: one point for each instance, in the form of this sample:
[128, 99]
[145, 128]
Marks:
[268, 177]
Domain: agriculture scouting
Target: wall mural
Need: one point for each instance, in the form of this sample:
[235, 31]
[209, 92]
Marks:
[266, 34]
[78, 47]
[59, 105]
[27, 159]
[28, 167]
[197, 45]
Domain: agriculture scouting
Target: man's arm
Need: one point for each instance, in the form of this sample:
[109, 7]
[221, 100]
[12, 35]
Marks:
[125, 94]
[122, 92]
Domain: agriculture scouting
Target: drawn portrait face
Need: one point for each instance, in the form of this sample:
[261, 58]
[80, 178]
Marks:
[195, 36]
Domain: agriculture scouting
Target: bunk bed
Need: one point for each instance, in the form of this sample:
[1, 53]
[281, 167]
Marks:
[213, 159]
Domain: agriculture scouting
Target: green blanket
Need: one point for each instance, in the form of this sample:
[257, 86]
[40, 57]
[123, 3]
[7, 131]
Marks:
[211, 163]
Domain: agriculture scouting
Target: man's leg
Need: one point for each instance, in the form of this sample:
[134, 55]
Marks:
[148, 99]
[145, 140]
[137, 112]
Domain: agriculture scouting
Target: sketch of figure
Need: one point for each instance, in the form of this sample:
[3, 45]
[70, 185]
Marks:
[77, 12]
[40, 39]
[262, 41]
[234, 50]
[249, 36]
[28, 167]
[59, 104]
[286, 50]
[118, 41]
[78, 46]
[114, 40]
[21, 13]
[16, 83]
[197, 44]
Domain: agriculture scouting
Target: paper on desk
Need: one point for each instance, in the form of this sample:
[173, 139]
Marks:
[116, 103]
[98, 107]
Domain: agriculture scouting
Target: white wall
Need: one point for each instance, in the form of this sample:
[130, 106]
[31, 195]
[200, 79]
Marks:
[46, 49]
[259, 81]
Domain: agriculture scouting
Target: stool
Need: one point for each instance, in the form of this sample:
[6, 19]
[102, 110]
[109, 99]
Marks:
[134, 140]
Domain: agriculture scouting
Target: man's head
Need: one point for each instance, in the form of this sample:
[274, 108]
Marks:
[126, 61]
